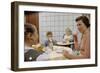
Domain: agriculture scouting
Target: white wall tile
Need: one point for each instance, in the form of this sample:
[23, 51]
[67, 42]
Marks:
[57, 23]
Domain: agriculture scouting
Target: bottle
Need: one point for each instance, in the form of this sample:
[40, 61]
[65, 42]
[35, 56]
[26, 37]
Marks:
[51, 44]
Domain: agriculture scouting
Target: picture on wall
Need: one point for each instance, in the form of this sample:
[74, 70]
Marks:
[51, 36]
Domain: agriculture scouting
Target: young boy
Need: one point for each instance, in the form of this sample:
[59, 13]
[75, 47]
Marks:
[49, 42]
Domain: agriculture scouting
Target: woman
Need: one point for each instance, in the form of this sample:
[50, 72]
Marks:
[84, 46]
[30, 38]
[68, 37]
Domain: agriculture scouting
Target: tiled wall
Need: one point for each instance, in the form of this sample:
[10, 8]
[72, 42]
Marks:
[57, 23]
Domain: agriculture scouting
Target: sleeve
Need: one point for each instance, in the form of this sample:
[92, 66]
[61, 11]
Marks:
[46, 43]
[31, 55]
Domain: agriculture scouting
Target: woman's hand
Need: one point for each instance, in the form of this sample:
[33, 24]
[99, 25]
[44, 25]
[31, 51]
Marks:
[75, 36]
[65, 53]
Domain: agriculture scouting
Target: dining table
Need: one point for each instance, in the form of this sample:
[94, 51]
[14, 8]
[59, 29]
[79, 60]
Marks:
[56, 53]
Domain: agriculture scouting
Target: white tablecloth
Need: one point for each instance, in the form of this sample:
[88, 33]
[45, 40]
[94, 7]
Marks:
[55, 54]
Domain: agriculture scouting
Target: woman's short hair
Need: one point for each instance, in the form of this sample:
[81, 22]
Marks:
[84, 19]
[28, 28]
[68, 30]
